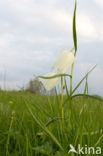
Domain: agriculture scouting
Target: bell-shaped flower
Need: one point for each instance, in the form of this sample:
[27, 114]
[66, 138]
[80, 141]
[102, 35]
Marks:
[50, 83]
[64, 61]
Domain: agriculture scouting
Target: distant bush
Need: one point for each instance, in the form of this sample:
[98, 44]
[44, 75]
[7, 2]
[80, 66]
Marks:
[34, 86]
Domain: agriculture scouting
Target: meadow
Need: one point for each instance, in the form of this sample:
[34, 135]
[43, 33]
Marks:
[21, 135]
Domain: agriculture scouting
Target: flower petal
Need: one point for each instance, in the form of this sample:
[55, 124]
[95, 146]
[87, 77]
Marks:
[50, 83]
[64, 61]
[59, 59]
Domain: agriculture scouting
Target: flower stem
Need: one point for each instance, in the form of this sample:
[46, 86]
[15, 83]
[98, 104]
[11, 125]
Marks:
[71, 83]
[62, 108]
[71, 79]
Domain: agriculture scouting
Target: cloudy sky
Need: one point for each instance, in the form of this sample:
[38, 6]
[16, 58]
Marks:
[33, 32]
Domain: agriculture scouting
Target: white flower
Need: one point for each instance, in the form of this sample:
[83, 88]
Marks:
[64, 61]
[49, 83]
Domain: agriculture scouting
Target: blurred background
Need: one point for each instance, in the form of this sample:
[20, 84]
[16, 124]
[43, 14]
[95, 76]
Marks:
[33, 32]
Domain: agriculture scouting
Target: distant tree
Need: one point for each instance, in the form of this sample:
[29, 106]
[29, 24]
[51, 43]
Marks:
[35, 86]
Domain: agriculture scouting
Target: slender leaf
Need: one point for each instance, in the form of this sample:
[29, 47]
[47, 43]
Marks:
[44, 128]
[66, 87]
[83, 80]
[99, 140]
[56, 96]
[51, 122]
[80, 83]
[54, 119]
[74, 29]
[90, 96]
[51, 77]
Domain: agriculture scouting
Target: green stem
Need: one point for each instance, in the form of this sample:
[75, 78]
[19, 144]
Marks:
[62, 108]
[71, 79]
[61, 92]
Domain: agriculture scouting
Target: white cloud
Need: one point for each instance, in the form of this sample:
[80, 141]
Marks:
[10, 85]
[62, 19]
[99, 2]
[85, 26]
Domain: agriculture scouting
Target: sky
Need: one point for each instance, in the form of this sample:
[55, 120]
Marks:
[33, 32]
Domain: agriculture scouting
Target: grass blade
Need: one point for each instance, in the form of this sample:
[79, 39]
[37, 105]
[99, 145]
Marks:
[83, 80]
[44, 128]
[66, 88]
[54, 119]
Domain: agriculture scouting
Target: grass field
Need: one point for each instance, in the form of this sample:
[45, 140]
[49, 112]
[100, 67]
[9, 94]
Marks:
[31, 125]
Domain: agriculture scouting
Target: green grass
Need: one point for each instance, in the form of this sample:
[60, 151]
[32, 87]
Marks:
[21, 135]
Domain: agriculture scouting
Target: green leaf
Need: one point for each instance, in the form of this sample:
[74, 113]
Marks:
[45, 129]
[66, 87]
[51, 77]
[89, 96]
[86, 86]
[53, 120]
[80, 83]
[74, 29]
[82, 80]
[56, 96]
